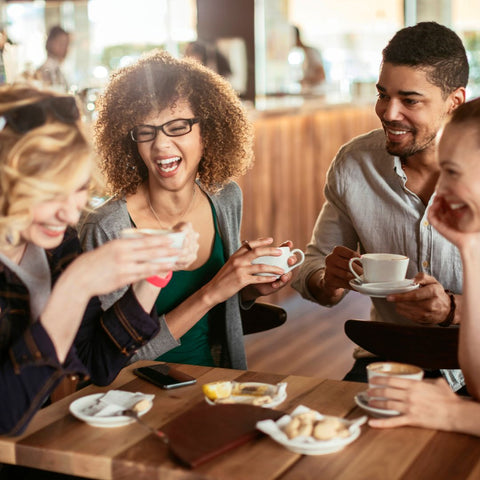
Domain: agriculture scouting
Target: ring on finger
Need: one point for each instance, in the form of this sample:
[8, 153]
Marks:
[247, 245]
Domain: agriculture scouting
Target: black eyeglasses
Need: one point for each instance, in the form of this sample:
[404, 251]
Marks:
[173, 128]
[26, 118]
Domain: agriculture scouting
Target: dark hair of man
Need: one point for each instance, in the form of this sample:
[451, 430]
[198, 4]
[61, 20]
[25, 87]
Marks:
[434, 48]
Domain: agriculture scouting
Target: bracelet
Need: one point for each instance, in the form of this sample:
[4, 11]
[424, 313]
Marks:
[159, 281]
[451, 314]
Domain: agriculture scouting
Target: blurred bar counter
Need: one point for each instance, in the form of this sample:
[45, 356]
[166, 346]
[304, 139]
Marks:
[294, 146]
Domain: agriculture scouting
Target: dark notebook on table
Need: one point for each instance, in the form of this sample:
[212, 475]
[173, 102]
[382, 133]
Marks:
[205, 431]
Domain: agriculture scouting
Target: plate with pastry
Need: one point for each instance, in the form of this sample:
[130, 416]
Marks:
[252, 393]
[309, 432]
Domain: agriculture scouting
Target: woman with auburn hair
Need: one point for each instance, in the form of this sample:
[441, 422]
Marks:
[455, 213]
[172, 135]
[51, 321]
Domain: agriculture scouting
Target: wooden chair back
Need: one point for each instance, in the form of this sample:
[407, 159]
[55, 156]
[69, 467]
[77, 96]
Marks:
[261, 317]
[428, 347]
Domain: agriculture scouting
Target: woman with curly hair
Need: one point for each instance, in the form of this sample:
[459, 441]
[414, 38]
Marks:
[51, 321]
[172, 135]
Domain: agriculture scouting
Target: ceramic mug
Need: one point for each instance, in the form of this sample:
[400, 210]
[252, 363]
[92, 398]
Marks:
[392, 369]
[380, 267]
[280, 261]
[176, 238]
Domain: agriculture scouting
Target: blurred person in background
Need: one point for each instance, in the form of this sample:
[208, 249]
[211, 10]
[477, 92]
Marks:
[208, 54]
[313, 70]
[3, 42]
[8, 57]
[50, 73]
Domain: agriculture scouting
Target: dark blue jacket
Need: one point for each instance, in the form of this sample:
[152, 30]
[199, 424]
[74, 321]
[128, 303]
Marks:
[29, 367]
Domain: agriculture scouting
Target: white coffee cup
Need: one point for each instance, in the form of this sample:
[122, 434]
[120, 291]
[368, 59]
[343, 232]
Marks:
[176, 238]
[392, 369]
[280, 261]
[380, 267]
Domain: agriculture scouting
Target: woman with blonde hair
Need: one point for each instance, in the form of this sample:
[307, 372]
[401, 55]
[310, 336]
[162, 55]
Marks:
[51, 321]
[172, 136]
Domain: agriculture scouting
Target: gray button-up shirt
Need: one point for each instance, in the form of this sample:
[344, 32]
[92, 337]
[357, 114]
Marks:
[368, 205]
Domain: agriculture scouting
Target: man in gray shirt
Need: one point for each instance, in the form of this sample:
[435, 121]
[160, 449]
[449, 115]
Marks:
[380, 185]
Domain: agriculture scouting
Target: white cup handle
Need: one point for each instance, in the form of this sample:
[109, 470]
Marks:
[298, 253]
[350, 266]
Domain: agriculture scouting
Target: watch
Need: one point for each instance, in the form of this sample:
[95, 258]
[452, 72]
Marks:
[451, 314]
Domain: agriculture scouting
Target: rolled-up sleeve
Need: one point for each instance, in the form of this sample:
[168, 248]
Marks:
[106, 342]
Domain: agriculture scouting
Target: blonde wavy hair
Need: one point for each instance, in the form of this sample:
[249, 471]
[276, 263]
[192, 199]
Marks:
[156, 82]
[38, 165]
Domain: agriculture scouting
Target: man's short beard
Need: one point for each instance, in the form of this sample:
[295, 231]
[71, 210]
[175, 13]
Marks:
[413, 149]
[406, 152]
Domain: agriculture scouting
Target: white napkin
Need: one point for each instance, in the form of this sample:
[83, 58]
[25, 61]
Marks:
[275, 429]
[114, 402]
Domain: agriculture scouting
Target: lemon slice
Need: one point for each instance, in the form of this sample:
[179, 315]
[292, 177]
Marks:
[217, 390]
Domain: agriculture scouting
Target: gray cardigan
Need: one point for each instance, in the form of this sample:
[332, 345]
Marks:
[106, 222]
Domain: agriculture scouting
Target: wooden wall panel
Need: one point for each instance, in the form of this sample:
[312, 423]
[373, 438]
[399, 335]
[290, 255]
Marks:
[283, 192]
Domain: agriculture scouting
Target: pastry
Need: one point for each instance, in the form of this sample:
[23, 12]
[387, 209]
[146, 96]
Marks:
[329, 428]
[306, 424]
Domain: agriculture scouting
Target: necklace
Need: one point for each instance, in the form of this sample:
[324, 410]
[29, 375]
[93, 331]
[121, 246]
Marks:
[189, 206]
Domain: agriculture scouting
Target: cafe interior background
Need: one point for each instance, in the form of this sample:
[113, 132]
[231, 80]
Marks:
[297, 130]
[349, 34]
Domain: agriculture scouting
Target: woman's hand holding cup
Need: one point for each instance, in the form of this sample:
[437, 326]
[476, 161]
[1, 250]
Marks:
[275, 266]
[189, 251]
[287, 260]
[162, 251]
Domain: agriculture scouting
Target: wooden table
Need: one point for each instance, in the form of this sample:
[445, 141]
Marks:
[57, 441]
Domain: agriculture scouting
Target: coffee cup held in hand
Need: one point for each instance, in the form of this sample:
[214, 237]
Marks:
[380, 267]
[280, 261]
[392, 369]
[176, 238]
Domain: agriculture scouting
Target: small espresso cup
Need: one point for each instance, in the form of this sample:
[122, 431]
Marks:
[176, 238]
[280, 261]
[380, 267]
[392, 369]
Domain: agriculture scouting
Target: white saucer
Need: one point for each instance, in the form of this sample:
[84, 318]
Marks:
[361, 399]
[382, 289]
[78, 406]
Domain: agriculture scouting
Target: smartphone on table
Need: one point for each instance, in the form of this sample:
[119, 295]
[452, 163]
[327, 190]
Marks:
[164, 376]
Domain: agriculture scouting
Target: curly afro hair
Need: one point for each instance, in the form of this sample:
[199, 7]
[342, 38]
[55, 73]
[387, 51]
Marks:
[156, 82]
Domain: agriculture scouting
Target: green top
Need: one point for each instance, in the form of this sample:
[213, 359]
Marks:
[195, 347]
